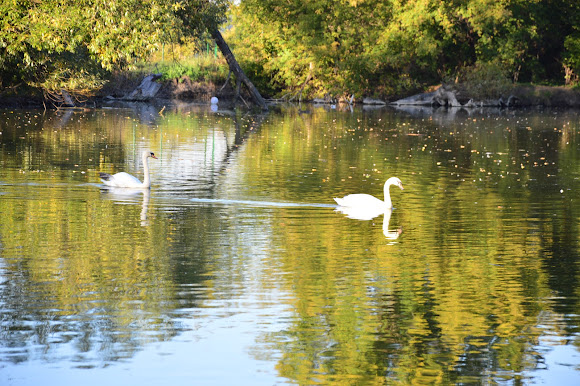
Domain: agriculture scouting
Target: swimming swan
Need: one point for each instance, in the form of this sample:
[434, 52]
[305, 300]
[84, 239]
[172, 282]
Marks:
[366, 202]
[125, 180]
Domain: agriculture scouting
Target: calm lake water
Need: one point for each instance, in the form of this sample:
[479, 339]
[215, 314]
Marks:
[236, 269]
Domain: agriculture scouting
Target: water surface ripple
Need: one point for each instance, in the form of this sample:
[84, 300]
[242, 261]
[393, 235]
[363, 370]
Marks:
[238, 268]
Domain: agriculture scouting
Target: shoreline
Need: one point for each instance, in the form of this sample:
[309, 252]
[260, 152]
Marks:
[186, 91]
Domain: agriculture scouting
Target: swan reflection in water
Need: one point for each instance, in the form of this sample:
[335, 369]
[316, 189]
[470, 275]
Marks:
[129, 195]
[390, 234]
[122, 185]
[363, 201]
[366, 207]
[368, 214]
[125, 180]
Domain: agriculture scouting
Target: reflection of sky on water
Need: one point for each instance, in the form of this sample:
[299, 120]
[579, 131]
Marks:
[209, 345]
[558, 362]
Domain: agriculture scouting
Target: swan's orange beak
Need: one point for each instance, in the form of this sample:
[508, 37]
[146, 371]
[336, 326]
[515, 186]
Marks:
[401, 186]
[153, 155]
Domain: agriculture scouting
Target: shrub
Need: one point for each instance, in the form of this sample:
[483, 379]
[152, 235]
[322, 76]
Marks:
[197, 67]
[482, 81]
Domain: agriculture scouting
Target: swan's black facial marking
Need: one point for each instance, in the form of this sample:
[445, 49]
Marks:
[152, 155]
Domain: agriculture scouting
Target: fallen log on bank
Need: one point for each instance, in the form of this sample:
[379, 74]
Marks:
[448, 97]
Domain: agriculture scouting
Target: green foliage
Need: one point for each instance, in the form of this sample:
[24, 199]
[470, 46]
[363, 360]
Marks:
[572, 59]
[393, 46]
[318, 47]
[572, 45]
[197, 68]
[485, 80]
[65, 44]
[196, 58]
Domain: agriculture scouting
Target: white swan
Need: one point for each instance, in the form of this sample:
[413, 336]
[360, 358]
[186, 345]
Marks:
[125, 180]
[368, 203]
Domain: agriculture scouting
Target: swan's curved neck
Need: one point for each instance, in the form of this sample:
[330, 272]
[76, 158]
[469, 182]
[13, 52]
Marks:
[388, 202]
[146, 179]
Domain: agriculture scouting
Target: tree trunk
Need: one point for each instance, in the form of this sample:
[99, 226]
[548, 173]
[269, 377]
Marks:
[236, 69]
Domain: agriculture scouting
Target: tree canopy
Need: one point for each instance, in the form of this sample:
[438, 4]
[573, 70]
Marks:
[65, 44]
[392, 46]
[321, 47]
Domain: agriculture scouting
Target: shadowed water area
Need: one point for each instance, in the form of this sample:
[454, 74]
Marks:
[237, 269]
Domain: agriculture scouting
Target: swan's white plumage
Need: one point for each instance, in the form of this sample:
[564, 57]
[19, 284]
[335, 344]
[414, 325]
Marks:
[125, 180]
[370, 203]
[360, 199]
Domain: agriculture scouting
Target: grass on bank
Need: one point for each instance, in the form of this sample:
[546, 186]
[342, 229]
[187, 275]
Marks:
[178, 61]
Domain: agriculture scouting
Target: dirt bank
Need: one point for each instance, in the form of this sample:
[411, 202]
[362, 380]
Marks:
[546, 96]
[182, 89]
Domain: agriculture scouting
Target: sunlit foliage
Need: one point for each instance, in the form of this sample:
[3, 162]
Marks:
[393, 46]
[63, 44]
